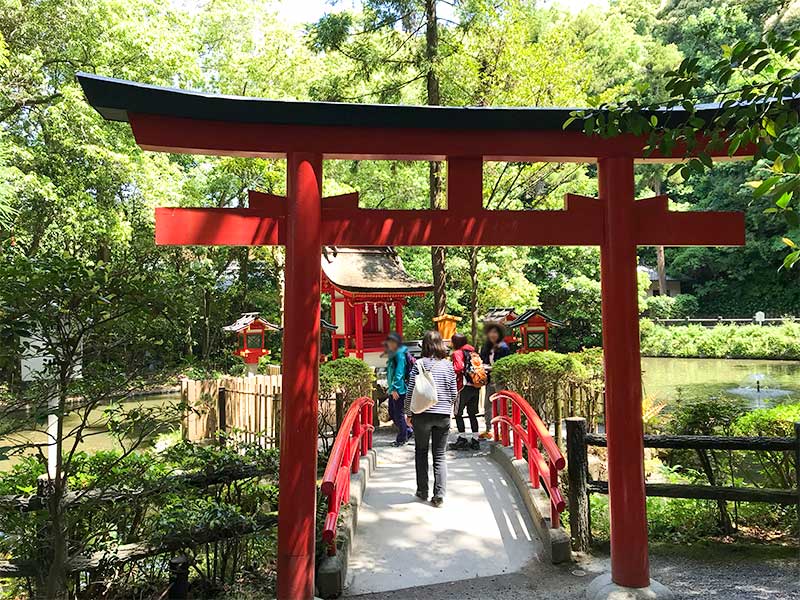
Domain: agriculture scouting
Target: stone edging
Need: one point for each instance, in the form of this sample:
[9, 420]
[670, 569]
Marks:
[556, 542]
[332, 570]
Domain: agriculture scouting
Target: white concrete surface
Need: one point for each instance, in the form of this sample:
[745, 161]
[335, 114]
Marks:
[402, 542]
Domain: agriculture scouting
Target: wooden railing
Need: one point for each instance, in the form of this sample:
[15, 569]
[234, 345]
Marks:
[581, 484]
[536, 433]
[353, 441]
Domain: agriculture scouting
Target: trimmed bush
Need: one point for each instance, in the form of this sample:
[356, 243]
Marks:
[722, 341]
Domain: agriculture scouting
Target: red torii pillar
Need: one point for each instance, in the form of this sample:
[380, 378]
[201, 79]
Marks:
[616, 222]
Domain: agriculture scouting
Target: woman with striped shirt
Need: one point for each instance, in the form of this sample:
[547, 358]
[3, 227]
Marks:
[432, 426]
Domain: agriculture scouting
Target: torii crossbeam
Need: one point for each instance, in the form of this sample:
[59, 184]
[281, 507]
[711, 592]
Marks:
[306, 133]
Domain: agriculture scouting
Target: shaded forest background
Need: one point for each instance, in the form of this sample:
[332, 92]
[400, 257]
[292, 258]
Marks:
[77, 194]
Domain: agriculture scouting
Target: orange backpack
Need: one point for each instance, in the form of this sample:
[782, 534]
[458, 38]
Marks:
[473, 369]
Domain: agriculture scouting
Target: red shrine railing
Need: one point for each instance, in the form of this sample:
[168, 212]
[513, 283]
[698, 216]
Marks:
[352, 442]
[536, 433]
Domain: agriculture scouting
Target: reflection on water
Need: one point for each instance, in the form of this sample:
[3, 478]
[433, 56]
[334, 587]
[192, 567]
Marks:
[760, 382]
[95, 432]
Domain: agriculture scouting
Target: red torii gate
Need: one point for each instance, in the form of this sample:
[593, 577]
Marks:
[305, 133]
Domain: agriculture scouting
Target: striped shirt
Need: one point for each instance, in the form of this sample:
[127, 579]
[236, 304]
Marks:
[444, 377]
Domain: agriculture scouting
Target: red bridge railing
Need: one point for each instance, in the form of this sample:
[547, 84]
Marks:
[534, 433]
[352, 442]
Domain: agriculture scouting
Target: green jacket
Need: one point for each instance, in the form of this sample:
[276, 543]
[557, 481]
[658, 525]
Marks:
[396, 371]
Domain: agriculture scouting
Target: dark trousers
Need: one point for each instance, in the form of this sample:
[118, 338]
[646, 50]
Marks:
[468, 398]
[430, 431]
[398, 416]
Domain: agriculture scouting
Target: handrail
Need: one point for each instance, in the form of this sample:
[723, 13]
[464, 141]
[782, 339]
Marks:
[352, 442]
[536, 433]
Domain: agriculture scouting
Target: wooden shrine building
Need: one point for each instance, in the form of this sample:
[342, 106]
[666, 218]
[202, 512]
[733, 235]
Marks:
[368, 287]
[534, 326]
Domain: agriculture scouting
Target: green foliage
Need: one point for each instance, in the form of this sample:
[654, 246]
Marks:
[551, 381]
[777, 469]
[349, 377]
[671, 307]
[722, 341]
[660, 307]
[156, 508]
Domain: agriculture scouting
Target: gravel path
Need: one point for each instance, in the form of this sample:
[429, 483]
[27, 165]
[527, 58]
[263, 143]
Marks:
[722, 575]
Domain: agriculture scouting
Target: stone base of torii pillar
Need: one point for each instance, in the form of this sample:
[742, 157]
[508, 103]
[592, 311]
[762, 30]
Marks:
[603, 588]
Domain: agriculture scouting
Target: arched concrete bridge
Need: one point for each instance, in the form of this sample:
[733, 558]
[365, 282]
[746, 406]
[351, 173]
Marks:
[482, 529]
[496, 519]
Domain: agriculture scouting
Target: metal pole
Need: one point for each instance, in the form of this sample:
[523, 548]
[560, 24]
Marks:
[298, 467]
[629, 561]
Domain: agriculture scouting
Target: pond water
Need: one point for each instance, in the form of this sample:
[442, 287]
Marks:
[760, 383]
[96, 431]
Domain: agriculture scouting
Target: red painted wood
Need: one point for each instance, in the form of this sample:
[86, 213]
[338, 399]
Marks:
[353, 441]
[620, 313]
[349, 201]
[298, 460]
[534, 432]
[218, 227]
[465, 184]
[581, 224]
[358, 323]
[454, 228]
[398, 317]
[271, 204]
[192, 136]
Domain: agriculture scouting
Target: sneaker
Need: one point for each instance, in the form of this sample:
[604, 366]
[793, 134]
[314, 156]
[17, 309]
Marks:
[460, 444]
[486, 435]
[474, 444]
[421, 495]
[437, 501]
[397, 444]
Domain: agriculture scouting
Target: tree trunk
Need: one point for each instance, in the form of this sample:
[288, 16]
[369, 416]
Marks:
[661, 265]
[473, 290]
[438, 253]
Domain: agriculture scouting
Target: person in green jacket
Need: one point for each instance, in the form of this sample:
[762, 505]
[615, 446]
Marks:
[397, 369]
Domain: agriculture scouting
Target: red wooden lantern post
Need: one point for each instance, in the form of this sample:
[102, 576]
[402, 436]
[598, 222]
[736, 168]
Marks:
[177, 121]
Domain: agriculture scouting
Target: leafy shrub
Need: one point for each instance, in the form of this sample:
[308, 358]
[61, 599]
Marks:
[536, 376]
[685, 305]
[722, 341]
[777, 468]
[659, 307]
[349, 377]
[155, 507]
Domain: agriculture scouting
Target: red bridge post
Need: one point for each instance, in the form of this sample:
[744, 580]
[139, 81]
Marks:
[629, 561]
[298, 461]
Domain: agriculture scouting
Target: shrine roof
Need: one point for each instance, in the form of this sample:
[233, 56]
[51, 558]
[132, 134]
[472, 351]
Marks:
[114, 99]
[529, 314]
[369, 270]
[248, 319]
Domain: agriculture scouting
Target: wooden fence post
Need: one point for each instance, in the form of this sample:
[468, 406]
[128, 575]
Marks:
[797, 467]
[578, 475]
[178, 577]
[221, 415]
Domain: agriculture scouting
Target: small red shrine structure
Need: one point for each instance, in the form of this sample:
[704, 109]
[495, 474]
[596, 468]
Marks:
[368, 287]
[250, 329]
[534, 330]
